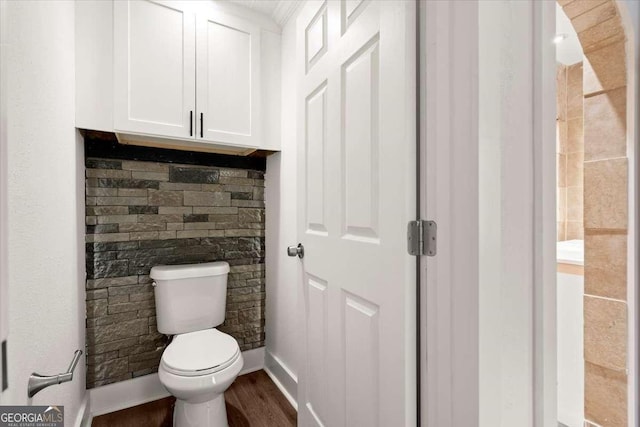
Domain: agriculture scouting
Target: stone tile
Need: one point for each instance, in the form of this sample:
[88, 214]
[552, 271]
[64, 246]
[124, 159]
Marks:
[600, 35]
[112, 346]
[605, 69]
[180, 186]
[241, 196]
[204, 198]
[243, 233]
[194, 175]
[165, 235]
[146, 226]
[192, 233]
[176, 217]
[117, 331]
[605, 131]
[196, 218]
[145, 166]
[173, 226]
[107, 173]
[561, 164]
[144, 235]
[605, 396]
[575, 169]
[578, 7]
[258, 193]
[236, 173]
[165, 198]
[237, 181]
[605, 332]
[126, 183]
[104, 228]
[117, 219]
[107, 210]
[561, 136]
[561, 92]
[594, 16]
[121, 201]
[562, 204]
[175, 210]
[103, 164]
[605, 198]
[574, 91]
[101, 192]
[199, 226]
[212, 187]
[143, 210]
[97, 294]
[131, 298]
[96, 308]
[111, 237]
[153, 176]
[131, 192]
[248, 203]
[107, 282]
[575, 135]
[574, 204]
[226, 210]
[605, 267]
[251, 215]
[109, 369]
[575, 230]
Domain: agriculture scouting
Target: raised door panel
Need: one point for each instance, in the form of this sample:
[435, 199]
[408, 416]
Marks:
[228, 80]
[154, 68]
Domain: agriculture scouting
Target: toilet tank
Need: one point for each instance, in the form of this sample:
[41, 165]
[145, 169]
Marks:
[190, 297]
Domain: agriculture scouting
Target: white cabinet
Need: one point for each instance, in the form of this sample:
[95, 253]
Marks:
[154, 68]
[185, 74]
[228, 79]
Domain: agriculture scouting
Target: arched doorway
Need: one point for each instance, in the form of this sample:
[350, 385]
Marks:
[601, 123]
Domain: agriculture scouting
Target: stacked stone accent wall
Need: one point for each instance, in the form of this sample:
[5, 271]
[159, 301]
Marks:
[140, 214]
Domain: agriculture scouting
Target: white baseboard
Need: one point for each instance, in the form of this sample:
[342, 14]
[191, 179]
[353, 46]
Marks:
[83, 419]
[253, 360]
[136, 391]
[282, 377]
[125, 394]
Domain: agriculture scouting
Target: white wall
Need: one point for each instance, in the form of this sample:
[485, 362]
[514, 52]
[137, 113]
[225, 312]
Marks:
[46, 265]
[515, 188]
[283, 339]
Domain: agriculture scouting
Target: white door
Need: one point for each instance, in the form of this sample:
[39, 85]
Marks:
[228, 80]
[154, 68]
[357, 175]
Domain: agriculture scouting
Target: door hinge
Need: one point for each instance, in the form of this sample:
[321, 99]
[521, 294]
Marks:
[422, 238]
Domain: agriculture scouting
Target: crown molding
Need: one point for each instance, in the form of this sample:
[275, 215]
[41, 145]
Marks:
[284, 10]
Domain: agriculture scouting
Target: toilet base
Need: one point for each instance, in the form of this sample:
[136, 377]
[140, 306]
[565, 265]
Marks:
[211, 413]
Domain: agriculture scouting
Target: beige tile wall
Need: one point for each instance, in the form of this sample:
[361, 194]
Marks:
[605, 209]
[570, 151]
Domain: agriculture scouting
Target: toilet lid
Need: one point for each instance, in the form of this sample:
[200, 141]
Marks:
[200, 353]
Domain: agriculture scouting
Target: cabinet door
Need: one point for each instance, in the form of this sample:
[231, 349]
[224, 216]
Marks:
[228, 80]
[154, 68]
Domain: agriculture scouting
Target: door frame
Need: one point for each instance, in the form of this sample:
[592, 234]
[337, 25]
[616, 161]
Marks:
[4, 228]
[450, 194]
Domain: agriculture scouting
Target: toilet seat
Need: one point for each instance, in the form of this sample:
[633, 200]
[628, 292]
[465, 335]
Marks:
[200, 353]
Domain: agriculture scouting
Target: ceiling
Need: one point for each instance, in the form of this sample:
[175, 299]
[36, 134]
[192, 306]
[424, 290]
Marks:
[279, 10]
[569, 50]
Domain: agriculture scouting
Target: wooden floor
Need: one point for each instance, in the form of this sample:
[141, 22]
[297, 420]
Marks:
[252, 400]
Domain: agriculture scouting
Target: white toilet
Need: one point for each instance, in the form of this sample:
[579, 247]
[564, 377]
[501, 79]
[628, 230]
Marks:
[201, 362]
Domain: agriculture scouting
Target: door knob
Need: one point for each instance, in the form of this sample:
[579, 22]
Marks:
[296, 251]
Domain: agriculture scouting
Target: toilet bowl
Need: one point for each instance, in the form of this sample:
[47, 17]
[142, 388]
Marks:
[200, 363]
